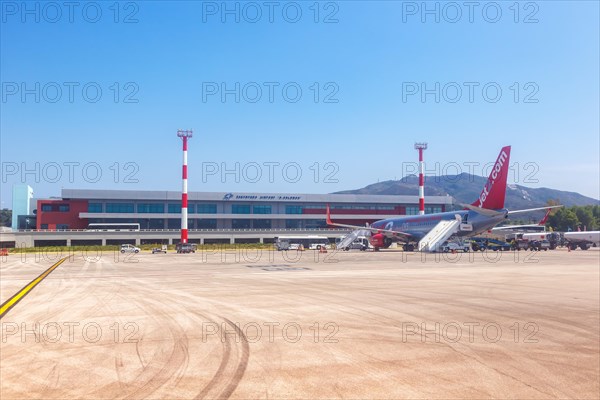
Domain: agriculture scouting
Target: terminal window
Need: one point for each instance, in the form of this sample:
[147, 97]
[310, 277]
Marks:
[46, 207]
[206, 209]
[151, 208]
[262, 209]
[95, 207]
[174, 208]
[63, 207]
[262, 224]
[206, 224]
[241, 223]
[412, 210]
[240, 209]
[119, 207]
[293, 209]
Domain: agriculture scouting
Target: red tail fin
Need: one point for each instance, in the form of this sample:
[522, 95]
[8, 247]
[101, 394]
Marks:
[543, 221]
[494, 192]
[328, 216]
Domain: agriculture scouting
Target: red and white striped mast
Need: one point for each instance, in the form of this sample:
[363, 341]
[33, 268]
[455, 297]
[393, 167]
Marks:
[421, 147]
[184, 135]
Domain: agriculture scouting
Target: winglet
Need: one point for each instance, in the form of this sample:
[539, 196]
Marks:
[328, 216]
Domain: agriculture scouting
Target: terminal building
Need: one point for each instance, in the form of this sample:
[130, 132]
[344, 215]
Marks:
[213, 217]
[217, 210]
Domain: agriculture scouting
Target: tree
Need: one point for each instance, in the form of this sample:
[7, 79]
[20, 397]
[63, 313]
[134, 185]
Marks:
[6, 217]
[565, 219]
[586, 218]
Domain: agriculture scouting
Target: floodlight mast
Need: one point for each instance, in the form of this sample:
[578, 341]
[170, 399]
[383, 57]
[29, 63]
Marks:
[421, 147]
[184, 135]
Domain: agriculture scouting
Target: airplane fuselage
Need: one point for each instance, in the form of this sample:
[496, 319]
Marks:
[417, 226]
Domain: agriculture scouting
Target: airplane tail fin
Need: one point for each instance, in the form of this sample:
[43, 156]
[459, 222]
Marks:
[494, 192]
[543, 221]
[328, 216]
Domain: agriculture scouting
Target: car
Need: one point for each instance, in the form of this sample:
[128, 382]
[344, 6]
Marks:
[129, 248]
[186, 248]
[162, 249]
[453, 246]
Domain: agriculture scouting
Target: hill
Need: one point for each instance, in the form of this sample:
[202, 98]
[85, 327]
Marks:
[465, 188]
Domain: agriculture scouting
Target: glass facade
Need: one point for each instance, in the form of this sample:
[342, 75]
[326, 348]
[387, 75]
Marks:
[174, 208]
[150, 208]
[261, 209]
[63, 208]
[46, 207]
[119, 207]
[95, 207]
[412, 210]
[241, 223]
[261, 224]
[240, 209]
[293, 223]
[293, 209]
[431, 210]
[206, 209]
[315, 223]
[206, 224]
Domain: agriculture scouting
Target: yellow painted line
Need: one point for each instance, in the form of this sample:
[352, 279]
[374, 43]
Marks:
[10, 303]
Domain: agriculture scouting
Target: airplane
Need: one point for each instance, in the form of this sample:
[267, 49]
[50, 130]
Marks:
[482, 215]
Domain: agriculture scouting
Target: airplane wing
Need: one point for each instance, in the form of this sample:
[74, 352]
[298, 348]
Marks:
[511, 227]
[403, 235]
[533, 209]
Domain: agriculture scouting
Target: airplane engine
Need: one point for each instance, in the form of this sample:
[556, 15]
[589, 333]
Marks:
[379, 240]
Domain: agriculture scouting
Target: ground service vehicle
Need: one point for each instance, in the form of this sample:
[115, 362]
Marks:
[308, 242]
[361, 243]
[553, 238]
[186, 248]
[453, 246]
[129, 248]
[498, 245]
[539, 245]
[583, 240]
[162, 249]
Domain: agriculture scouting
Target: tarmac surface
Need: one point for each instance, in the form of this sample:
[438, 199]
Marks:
[259, 324]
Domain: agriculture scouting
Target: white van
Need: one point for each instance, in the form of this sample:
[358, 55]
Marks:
[129, 248]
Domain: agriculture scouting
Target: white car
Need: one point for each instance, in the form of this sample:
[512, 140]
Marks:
[452, 246]
[129, 248]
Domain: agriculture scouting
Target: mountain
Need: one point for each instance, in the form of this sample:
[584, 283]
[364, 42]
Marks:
[465, 188]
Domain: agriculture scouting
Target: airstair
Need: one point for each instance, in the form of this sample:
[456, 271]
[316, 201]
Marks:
[439, 234]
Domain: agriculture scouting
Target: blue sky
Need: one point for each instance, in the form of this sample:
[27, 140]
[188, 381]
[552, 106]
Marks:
[360, 66]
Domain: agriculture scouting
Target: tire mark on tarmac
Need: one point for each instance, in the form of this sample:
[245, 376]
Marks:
[234, 359]
[230, 373]
[232, 367]
[166, 366]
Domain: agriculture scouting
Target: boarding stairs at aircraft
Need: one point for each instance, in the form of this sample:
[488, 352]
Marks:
[439, 234]
[351, 237]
